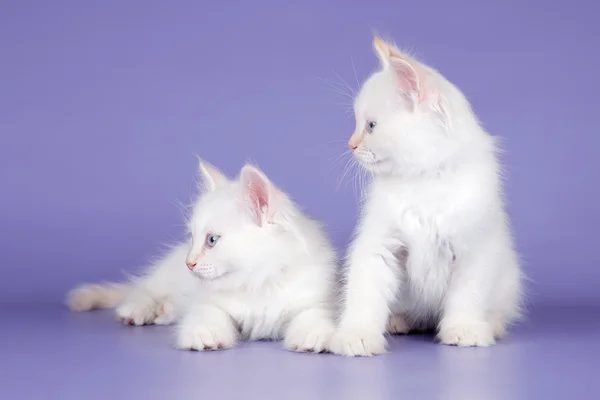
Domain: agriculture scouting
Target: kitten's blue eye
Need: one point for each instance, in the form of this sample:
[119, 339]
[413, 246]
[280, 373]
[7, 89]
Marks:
[212, 239]
[370, 126]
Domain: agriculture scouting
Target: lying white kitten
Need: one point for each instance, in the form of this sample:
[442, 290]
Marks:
[260, 269]
[433, 248]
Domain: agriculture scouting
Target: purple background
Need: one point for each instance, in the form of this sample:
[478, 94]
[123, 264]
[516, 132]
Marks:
[104, 104]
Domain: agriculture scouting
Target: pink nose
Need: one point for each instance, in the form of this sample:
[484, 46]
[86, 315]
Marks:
[190, 265]
[352, 146]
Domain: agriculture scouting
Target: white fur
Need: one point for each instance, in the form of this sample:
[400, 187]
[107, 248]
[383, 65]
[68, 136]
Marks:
[269, 276]
[433, 247]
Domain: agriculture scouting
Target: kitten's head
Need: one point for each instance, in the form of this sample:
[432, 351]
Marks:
[238, 226]
[403, 116]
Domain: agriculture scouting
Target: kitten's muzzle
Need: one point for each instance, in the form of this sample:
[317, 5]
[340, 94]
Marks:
[192, 258]
[190, 264]
[206, 271]
[354, 141]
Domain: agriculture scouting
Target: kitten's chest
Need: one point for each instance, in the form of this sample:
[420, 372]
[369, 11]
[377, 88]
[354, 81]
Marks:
[413, 208]
[417, 215]
[258, 315]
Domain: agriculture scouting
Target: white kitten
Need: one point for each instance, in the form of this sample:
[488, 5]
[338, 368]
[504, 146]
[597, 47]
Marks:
[257, 268]
[433, 248]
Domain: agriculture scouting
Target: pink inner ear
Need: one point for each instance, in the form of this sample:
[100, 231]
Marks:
[262, 197]
[258, 191]
[407, 78]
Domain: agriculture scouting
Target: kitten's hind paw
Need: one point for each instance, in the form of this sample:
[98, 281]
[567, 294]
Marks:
[466, 334]
[166, 314]
[397, 325]
[309, 339]
[354, 342]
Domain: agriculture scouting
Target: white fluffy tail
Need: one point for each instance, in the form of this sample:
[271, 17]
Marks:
[94, 296]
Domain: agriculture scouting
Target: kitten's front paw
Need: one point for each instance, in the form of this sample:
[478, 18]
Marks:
[309, 339]
[356, 342]
[466, 334]
[137, 310]
[204, 337]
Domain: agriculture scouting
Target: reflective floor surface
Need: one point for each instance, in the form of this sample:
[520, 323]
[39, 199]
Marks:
[50, 353]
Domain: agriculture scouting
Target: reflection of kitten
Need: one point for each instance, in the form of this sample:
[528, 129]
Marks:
[436, 192]
[260, 269]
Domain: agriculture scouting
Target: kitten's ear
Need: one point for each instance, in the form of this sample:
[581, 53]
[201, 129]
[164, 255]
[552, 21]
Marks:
[403, 66]
[414, 83]
[259, 193]
[382, 49]
[211, 177]
[407, 76]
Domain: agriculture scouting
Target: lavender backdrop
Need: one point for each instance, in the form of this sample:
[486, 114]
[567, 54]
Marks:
[104, 104]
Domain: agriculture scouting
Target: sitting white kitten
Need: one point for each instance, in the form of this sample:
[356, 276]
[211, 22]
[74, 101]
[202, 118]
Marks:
[433, 248]
[257, 268]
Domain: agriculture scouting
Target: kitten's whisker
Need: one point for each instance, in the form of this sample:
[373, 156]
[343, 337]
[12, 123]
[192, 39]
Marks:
[339, 156]
[346, 95]
[347, 167]
[183, 209]
[354, 69]
[338, 85]
[345, 83]
[337, 160]
[356, 180]
[339, 89]
[359, 174]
